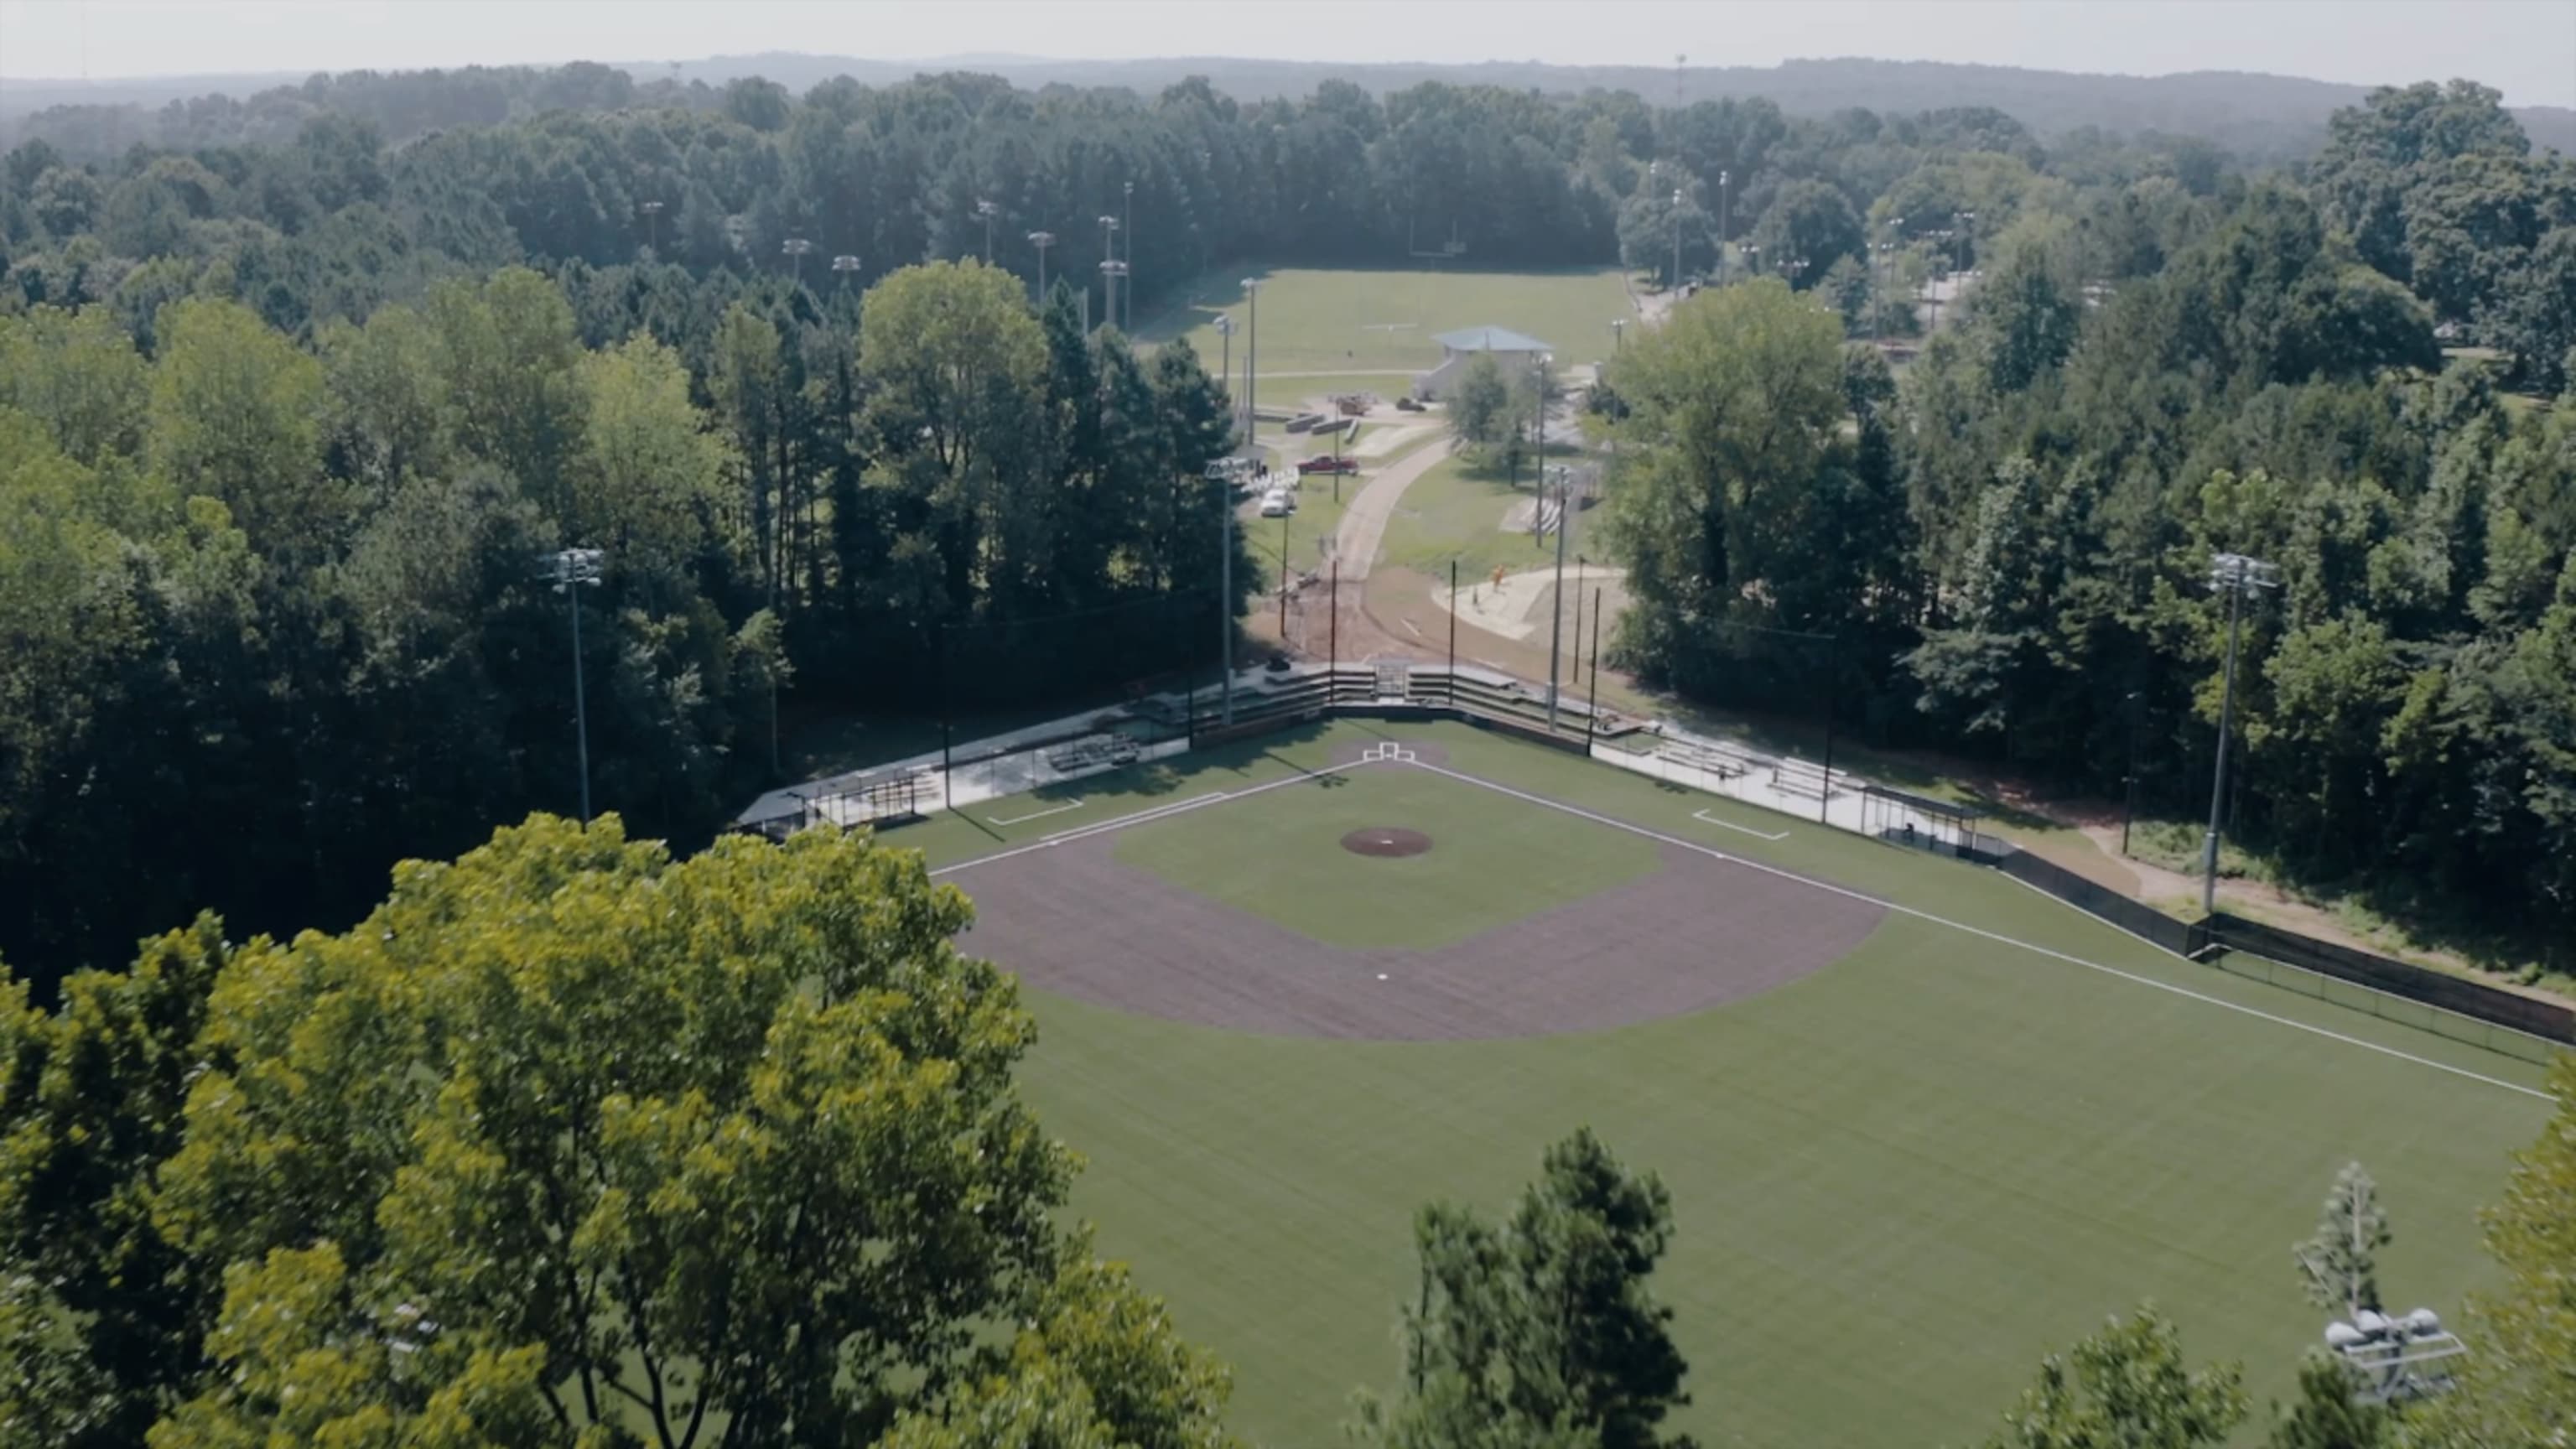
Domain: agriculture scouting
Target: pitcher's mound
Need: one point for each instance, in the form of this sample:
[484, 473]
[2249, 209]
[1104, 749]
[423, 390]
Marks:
[1386, 840]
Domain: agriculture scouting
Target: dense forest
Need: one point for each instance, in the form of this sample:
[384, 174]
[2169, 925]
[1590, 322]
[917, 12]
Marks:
[289, 410]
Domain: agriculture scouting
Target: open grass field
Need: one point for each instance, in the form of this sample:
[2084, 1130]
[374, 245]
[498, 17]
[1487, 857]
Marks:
[1900, 1175]
[1351, 321]
[1455, 512]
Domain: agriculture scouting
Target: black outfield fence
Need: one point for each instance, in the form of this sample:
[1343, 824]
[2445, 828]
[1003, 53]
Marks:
[2418, 996]
[2434, 995]
[2183, 938]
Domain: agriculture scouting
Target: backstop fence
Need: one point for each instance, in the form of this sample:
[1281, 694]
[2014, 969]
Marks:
[1047, 762]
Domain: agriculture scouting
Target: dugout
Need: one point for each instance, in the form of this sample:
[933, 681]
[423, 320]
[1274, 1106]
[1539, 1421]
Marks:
[1902, 818]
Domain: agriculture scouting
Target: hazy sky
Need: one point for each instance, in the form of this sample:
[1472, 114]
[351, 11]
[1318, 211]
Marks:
[2526, 48]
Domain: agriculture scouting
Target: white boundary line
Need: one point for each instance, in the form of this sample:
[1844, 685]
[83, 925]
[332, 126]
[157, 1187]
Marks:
[1705, 818]
[2184, 991]
[1039, 815]
[1141, 817]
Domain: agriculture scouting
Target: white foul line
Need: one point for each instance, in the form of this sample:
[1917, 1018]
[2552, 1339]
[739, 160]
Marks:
[1035, 815]
[1704, 817]
[1142, 817]
[1981, 932]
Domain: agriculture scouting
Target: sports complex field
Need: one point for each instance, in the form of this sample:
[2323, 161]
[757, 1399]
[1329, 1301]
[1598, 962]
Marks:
[1356, 322]
[1921, 1125]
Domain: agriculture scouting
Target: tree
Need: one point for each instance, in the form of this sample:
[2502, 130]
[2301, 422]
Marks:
[102, 1315]
[2339, 1263]
[1810, 222]
[1480, 404]
[2326, 1415]
[235, 412]
[731, 1138]
[2516, 1388]
[2126, 1385]
[1721, 517]
[1542, 1331]
[2534, 313]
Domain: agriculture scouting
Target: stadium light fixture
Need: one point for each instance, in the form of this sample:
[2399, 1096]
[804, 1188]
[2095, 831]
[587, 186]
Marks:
[2237, 576]
[566, 570]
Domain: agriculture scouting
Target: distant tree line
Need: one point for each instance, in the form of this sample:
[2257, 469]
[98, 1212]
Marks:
[2147, 316]
[2012, 546]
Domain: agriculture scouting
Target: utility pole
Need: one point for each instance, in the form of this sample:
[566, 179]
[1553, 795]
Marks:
[1128, 323]
[2238, 575]
[568, 569]
[1042, 240]
[988, 211]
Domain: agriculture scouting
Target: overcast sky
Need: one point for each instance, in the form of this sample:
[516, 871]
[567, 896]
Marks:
[2526, 48]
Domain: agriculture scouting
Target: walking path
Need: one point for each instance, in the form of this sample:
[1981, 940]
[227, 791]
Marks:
[1364, 521]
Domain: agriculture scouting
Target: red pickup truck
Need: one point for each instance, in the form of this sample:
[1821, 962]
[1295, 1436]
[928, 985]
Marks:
[1326, 463]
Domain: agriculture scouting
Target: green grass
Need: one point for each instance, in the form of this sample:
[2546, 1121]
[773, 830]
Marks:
[1493, 861]
[1454, 512]
[1897, 1183]
[1318, 515]
[1342, 321]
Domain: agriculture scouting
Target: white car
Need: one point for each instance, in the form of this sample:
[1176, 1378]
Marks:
[1278, 503]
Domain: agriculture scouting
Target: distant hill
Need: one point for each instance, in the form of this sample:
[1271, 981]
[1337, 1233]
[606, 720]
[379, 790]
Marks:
[2261, 118]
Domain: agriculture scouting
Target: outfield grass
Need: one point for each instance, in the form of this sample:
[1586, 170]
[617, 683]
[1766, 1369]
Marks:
[1896, 1182]
[1348, 321]
[1493, 861]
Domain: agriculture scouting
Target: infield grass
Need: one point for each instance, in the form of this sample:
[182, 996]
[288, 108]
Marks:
[1358, 320]
[1492, 861]
[1896, 1183]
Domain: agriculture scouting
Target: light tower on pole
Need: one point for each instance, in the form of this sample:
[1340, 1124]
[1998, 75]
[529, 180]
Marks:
[1042, 240]
[1127, 321]
[988, 211]
[2237, 576]
[1225, 364]
[653, 227]
[1677, 239]
[1721, 225]
[1251, 351]
[1108, 252]
[566, 570]
[796, 247]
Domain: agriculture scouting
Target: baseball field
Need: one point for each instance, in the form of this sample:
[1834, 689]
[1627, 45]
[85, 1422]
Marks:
[1921, 1125]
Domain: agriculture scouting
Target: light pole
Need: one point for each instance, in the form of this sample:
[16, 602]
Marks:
[843, 265]
[653, 227]
[796, 248]
[1618, 333]
[1042, 240]
[1721, 255]
[568, 569]
[988, 211]
[1225, 331]
[1677, 239]
[1128, 323]
[2238, 576]
[1110, 272]
[1225, 590]
[1108, 252]
[1251, 351]
[1564, 516]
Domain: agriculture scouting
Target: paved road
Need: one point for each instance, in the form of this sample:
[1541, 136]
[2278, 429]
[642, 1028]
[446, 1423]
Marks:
[1364, 521]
